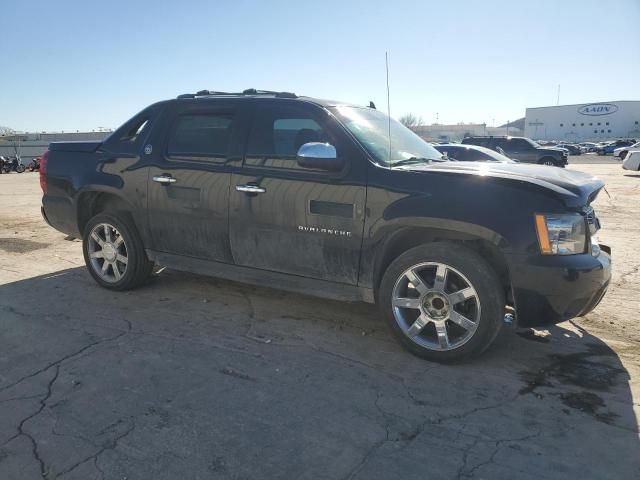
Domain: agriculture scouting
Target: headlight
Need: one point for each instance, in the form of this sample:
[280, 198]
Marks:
[561, 234]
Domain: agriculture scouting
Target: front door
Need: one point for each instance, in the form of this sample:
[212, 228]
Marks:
[521, 150]
[189, 182]
[286, 218]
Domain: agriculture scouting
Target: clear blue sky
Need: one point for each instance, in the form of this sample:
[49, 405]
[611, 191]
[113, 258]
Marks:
[78, 65]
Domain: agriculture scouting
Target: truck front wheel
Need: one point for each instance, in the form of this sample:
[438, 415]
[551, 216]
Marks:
[113, 252]
[550, 161]
[442, 301]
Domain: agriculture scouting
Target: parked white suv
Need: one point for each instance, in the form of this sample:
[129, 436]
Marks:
[632, 160]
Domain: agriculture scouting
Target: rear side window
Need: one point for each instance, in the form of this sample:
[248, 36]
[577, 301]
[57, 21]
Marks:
[201, 135]
[129, 137]
[133, 133]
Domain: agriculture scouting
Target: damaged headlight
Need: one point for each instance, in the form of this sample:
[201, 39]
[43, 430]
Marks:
[564, 234]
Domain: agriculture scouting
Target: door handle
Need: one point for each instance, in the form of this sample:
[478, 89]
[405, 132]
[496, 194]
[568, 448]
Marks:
[249, 188]
[164, 179]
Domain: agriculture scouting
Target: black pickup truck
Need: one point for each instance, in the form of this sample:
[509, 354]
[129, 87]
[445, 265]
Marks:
[522, 149]
[336, 200]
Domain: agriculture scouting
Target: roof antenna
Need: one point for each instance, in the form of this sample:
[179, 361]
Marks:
[386, 60]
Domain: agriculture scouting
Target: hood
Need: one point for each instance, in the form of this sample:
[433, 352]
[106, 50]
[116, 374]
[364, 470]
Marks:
[576, 189]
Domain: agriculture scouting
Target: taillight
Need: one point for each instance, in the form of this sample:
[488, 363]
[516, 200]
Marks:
[43, 171]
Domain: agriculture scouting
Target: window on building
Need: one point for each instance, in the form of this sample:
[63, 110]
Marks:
[607, 124]
[602, 131]
[582, 124]
[591, 124]
[595, 131]
[573, 125]
[598, 123]
[609, 131]
[562, 124]
[636, 122]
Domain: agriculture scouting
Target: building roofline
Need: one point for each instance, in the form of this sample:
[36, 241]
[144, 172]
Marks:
[586, 103]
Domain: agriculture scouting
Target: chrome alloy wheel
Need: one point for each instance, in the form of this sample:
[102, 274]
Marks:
[108, 252]
[436, 306]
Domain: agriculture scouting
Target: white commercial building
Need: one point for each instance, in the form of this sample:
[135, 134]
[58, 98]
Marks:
[455, 133]
[583, 122]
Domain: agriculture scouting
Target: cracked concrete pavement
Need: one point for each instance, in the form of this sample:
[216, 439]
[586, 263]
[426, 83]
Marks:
[192, 377]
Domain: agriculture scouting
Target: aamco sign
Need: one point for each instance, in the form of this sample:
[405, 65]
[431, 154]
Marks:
[598, 109]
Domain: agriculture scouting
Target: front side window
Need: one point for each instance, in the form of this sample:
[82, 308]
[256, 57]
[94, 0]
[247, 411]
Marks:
[201, 135]
[387, 140]
[277, 134]
[520, 144]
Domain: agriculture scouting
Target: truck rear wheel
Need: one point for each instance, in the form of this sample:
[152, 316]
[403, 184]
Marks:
[443, 301]
[114, 254]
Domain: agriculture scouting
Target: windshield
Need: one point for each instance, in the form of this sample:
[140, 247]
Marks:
[371, 128]
[533, 144]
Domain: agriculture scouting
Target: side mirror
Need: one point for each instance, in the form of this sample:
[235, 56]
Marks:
[319, 155]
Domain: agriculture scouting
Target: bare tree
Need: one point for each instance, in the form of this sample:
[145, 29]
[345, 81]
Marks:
[410, 120]
[6, 130]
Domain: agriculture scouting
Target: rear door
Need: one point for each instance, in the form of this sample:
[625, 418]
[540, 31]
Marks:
[297, 220]
[188, 193]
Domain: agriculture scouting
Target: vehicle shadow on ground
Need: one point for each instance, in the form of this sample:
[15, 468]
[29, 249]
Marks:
[192, 376]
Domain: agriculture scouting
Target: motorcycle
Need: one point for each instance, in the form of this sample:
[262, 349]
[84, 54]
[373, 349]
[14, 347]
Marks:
[34, 165]
[13, 165]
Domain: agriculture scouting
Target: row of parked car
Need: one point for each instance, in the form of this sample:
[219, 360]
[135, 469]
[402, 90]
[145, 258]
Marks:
[521, 149]
[618, 148]
[503, 149]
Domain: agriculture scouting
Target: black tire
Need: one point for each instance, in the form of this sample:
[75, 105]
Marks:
[623, 155]
[20, 168]
[480, 276]
[139, 267]
[550, 161]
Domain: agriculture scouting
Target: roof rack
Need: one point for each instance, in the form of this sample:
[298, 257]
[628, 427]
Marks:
[248, 91]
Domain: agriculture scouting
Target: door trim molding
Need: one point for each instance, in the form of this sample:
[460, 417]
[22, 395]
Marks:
[264, 278]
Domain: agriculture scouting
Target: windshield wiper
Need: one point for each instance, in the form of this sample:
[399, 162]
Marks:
[414, 160]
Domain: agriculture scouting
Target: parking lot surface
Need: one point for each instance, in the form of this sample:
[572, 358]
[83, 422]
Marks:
[192, 377]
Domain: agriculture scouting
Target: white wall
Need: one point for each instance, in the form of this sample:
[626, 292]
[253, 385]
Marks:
[587, 121]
